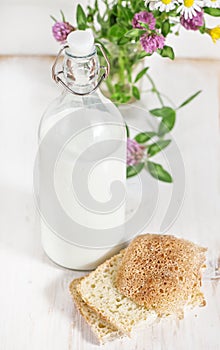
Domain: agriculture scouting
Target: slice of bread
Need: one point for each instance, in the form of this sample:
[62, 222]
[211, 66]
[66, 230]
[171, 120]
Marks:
[99, 292]
[162, 272]
[103, 330]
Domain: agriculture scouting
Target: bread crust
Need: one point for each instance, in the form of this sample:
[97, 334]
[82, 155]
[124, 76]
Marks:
[162, 272]
[103, 330]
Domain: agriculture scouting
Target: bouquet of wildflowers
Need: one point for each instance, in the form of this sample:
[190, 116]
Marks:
[131, 30]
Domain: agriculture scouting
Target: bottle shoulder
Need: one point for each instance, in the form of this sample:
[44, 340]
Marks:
[93, 108]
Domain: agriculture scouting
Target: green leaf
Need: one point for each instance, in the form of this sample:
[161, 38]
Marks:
[141, 74]
[162, 112]
[157, 147]
[145, 136]
[169, 116]
[157, 171]
[127, 130]
[129, 72]
[116, 31]
[112, 19]
[165, 28]
[101, 21]
[53, 18]
[166, 124]
[105, 48]
[90, 18]
[134, 33]
[96, 5]
[202, 29]
[167, 51]
[144, 25]
[123, 40]
[215, 12]
[81, 18]
[143, 54]
[133, 170]
[125, 98]
[172, 13]
[120, 97]
[136, 92]
[127, 14]
[156, 13]
[62, 15]
[91, 10]
[189, 99]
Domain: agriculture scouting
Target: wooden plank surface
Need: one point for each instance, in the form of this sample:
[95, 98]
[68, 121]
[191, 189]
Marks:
[36, 311]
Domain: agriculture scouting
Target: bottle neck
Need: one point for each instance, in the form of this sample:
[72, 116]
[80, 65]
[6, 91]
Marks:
[81, 73]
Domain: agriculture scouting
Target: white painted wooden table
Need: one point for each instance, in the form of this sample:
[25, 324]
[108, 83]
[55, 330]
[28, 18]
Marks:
[36, 311]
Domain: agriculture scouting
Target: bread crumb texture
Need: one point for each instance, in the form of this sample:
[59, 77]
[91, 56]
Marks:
[163, 273]
[99, 292]
[103, 330]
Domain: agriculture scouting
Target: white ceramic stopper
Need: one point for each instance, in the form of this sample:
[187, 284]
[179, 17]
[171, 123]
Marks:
[81, 42]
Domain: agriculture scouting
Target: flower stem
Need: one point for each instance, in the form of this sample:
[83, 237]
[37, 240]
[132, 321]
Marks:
[169, 100]
[109, 85]
[122, 67]
[53, 18]
[154, 89]
[162, 95]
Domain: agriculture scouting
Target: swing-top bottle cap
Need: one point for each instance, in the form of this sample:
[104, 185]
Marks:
[81, 42]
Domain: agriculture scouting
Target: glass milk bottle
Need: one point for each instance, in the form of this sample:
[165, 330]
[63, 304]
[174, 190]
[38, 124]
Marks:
[80, 181]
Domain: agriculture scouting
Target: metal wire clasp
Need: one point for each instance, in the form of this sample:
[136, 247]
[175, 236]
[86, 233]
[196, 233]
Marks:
[56, 74]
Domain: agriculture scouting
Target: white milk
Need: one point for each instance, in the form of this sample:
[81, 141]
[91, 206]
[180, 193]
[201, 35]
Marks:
[106, 165]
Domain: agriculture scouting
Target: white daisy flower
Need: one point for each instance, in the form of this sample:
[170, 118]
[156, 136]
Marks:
[212, 3]
[151, 3]
[188, 8]
[162, 5]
